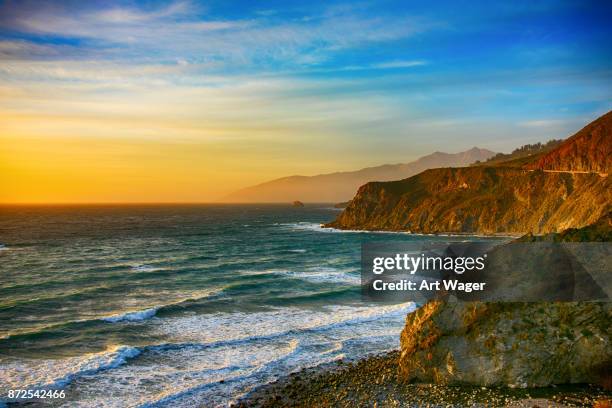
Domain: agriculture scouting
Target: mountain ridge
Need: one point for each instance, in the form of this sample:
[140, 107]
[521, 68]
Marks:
[342, 185]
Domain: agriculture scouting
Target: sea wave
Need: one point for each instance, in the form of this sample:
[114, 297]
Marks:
[236, 327]
[313, 226]
[127, 316]
[144, 314]
[259, 345]
[326, 275]
[144, 268]
[132, 316]
[317, 227]
[37, 374]
[188, 395]
[313, 274]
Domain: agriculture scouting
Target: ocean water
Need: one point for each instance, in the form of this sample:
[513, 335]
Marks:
[171, 306]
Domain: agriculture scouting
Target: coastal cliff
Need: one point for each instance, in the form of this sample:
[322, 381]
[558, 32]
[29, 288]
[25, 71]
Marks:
[513, 344]
[564, 193]
[507, 344]
[565, 188]
[479, 200]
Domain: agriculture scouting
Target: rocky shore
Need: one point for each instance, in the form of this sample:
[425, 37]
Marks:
[374, 382]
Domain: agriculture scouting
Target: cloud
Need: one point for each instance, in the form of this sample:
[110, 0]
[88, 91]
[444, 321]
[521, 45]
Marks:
[399, 64]
[181, 31]
[543, 123]
[121, 15]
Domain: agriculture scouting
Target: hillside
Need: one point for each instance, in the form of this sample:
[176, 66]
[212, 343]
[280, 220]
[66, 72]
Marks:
[504, 198]
[519, 156]
[588, 150]
[479, 200]
[341, 186]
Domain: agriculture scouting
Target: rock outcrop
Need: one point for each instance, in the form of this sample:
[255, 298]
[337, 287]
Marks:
[512, 344]
[507, 344]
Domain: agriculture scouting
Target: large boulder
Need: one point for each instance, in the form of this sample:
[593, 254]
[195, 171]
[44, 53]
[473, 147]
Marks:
[507, 344]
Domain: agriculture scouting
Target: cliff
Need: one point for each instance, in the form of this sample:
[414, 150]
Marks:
[341, 186]
[512, 344]
[588, 150]
[563, 188]
[479, 200]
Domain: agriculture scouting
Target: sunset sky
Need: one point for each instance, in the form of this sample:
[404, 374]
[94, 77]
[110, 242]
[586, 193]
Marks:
[188, 101]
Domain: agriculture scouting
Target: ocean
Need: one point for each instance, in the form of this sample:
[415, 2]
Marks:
[177, 305]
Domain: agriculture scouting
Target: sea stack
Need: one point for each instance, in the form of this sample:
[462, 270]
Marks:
[297, 203]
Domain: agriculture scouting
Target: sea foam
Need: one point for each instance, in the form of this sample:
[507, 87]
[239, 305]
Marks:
[55, 374]
[132, 316]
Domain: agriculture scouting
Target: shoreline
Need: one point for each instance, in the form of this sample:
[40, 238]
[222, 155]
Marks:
[423, 234]
[373, 381]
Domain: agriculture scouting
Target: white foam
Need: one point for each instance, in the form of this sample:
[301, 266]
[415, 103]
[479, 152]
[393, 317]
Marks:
[312, 226]
[43, 374]
[257, 359]
[326, 274]
[317, 227]
[314, 274]
[144, 314]
[132, 316]
[144, 268]
[299, 251]
[239, 326]
[242, 349]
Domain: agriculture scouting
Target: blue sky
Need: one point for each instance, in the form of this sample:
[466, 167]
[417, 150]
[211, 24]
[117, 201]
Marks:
[284, 87]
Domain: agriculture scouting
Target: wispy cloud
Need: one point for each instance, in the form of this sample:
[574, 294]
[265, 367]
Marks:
[543, 123]
[299, 88]
[399, 64]
[177, 30]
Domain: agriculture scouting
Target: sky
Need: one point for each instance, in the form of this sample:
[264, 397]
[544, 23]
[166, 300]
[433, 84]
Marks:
[186, 101]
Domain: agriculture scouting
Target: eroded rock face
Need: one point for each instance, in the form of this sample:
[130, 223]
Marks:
[507, 344]
[588, 150]
[480, 200]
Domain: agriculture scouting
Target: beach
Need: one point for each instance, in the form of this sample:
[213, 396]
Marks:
[373, 382]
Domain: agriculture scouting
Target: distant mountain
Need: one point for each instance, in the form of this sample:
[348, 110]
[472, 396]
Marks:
[564, 188]
[588, 150]
[341, 186]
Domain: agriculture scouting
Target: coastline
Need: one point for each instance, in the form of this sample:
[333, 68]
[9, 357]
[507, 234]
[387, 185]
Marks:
[423, 234]
[373, 381]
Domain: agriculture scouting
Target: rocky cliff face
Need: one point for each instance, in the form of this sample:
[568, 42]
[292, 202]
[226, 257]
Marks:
[565, 188]
[507, 344]
[588, 150]
[512, 344]
[479, 200]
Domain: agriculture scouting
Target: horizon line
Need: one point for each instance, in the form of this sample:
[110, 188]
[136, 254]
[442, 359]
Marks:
[85, 203]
